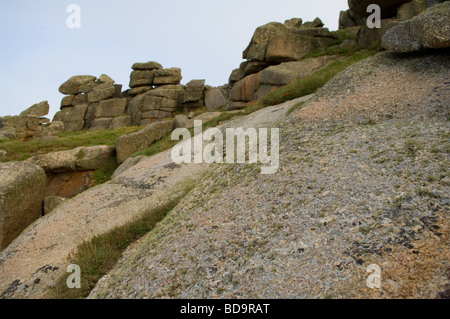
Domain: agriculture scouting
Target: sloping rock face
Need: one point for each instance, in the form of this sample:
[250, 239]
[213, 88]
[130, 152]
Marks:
[50, 241]
[346, 196]
[22, 187]
[429, 30]
[141, 184]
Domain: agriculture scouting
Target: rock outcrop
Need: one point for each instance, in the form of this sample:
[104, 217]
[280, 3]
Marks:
[392, 13]
[91, 104]
[429, 30]
[272, 45]
[28, 124]
[22, 188]
[339, 204]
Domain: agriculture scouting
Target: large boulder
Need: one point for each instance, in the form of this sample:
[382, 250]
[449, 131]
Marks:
[147, 66]
[295, 45]
[129, 144]
[73, 117]
[194, 91]
[215, 98]
[105, 79]
[257, 48]
[22, 187]
[111, 108]
[194, 97]
[67, 101]
[39, 110]
[429, 30]
[244, 90]
[287, 72]
[276, 42]
[78, 159]
[371, 38]
[141, 78]
[294, 23]
[102, 92]
[159, 103]
[167, 76]
[236, 75]
[73, 85]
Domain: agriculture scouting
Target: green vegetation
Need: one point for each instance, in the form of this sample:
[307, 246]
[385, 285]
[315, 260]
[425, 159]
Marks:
[412, 147]
[104, 174]
[21, 150]
[98, 256]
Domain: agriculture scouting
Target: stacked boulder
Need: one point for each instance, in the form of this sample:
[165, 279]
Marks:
[276, 45]
[30, 123]
[92, 103]
[155, 93]
[216, 97]
[393, 12]
[194, 96]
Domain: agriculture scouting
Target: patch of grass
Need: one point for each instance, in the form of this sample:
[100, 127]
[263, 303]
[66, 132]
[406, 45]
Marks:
[412, 147]
[98, 256]
[104, 174]
[21, 150]
[343, 52]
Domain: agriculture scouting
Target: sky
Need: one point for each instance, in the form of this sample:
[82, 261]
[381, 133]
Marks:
[205, 38]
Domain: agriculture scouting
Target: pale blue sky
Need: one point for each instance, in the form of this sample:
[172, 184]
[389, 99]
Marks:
[205, 38]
